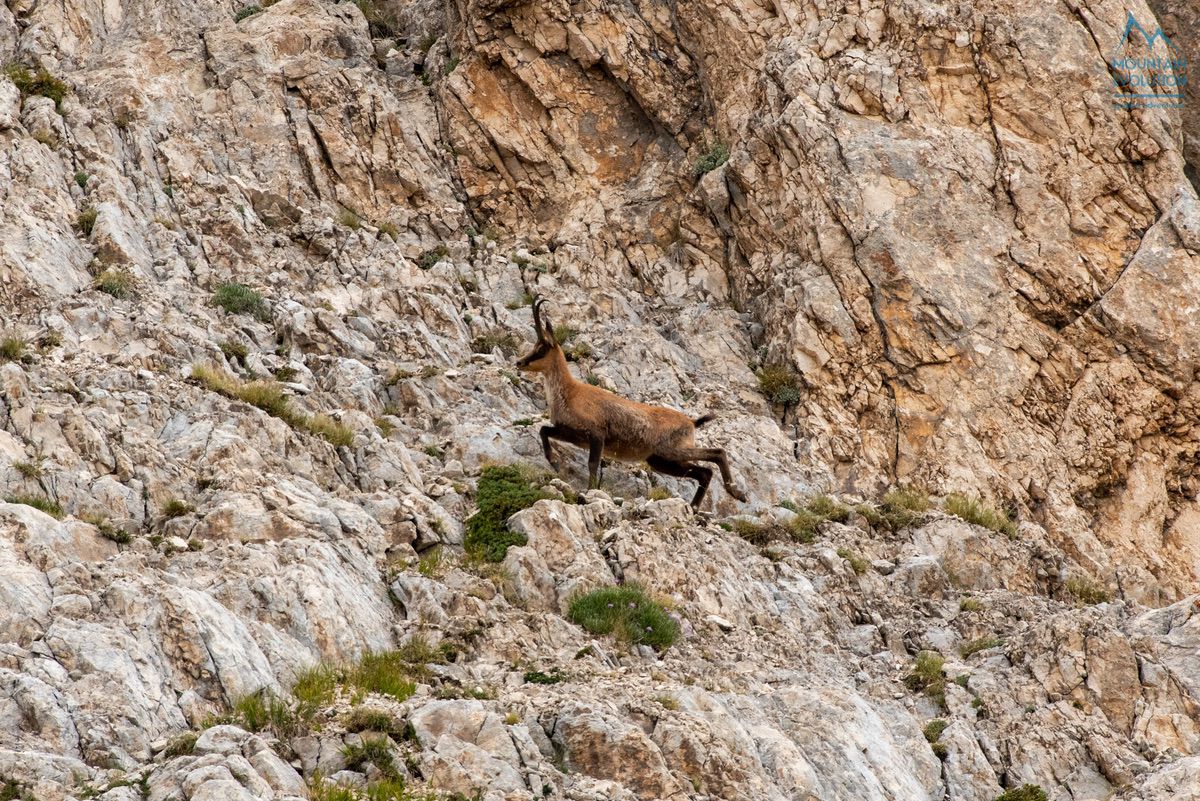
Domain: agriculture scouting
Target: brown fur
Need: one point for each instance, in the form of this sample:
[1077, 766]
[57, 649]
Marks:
[609, 425]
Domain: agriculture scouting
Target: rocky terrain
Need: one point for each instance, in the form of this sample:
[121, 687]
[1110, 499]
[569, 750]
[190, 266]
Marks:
[264, 272]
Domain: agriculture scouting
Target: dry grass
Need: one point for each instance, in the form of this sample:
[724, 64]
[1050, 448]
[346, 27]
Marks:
[268, 396]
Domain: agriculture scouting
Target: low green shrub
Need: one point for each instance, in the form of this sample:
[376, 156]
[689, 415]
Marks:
[779, 384]
[37, 82]
[502, 492]
[375, 751]
[858, 564]
[1026, 792]
[538, 677]
[716, 154]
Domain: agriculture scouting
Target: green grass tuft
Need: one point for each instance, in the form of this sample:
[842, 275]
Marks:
[176, 508]
[975, 511]
[360, 719]
[314, 687]
[502, 492]
[248, 11]
[269, 396]
[12, 349]
[117, 282]
[968, 649]
[39, 502]
[261, 711]
[628, 613]
[900, 508]
[181, 745]
[238, 298]
[107, 529]
[970, 605]
[926, 677]
[381, 23]
[858, 564]
[385, 673]
[538, 677]
[507, 342]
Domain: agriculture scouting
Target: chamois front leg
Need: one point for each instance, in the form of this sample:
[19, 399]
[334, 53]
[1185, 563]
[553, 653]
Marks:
[563, 433]
[595, 451]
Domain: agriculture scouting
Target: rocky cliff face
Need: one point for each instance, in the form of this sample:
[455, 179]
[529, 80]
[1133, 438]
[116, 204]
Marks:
[263, 273]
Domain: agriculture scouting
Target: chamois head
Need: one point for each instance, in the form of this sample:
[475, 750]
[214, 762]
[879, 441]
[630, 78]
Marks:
[542, 357]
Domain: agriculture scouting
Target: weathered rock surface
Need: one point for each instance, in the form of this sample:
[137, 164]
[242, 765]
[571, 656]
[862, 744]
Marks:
[980, 269]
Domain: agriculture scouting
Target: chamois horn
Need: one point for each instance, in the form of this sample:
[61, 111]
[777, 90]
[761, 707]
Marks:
[543, 330]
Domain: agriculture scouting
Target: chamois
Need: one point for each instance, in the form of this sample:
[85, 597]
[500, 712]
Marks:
[609, 425]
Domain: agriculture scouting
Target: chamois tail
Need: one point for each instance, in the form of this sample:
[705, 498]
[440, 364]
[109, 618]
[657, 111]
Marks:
[701, 420]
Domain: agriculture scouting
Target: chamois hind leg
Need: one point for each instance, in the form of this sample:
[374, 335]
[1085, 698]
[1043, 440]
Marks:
[702, 475]
[595, 451]
[718, 457]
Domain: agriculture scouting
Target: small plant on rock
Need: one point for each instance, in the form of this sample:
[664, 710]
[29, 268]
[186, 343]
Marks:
[37, 82]
[900, 508]
[432, 256]
[975, 511]
[502, 492]
[39, 502]
[538, 677]
[927, 677]
[1026, 792]
[381, 23]
[362, 718]
[248, 11]
[117, 282]
[817, 510]
[716, 154]
[86, 221]
[181, 745]
[12, 349]
[628, 613]
[973, 647]
[238, 298]
[1086, 591]
[506, 342]
[107, 530]
[375, 751]
[970, 605]
[176, 508]
[933, 732]
[779, 384]
[858, 564]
